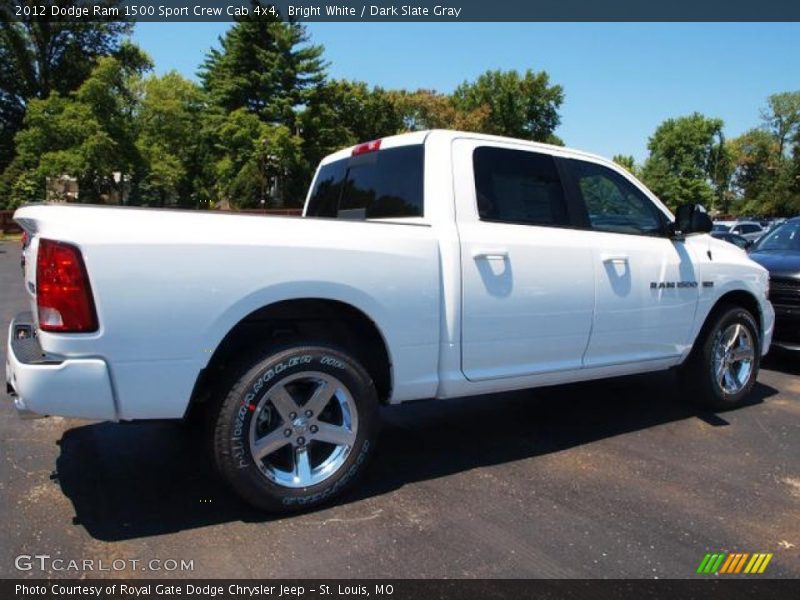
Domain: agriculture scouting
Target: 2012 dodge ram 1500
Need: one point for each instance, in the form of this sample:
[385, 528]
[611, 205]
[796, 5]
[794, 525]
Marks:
[426, 265]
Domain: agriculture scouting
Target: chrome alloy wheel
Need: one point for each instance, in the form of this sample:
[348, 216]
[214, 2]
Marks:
[303, 429]
[734, 355]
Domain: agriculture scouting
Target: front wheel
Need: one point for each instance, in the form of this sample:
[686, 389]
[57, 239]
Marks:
[721, 370]
[296, 428]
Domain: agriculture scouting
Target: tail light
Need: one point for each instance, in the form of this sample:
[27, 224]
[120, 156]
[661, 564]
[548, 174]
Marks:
[63, 294]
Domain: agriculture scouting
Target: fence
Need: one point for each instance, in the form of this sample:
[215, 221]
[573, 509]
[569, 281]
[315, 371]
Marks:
[8, 225]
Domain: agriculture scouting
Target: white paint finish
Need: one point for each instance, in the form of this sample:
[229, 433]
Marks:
[77, 388]
[528, 292]
[632, 321]
[730, 270]
[213, 270]
[521, 314]
[169, 285]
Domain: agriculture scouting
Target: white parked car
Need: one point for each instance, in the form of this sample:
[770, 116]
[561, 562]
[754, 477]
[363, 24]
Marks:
[749, 230]
[722, 226]
[427, 265]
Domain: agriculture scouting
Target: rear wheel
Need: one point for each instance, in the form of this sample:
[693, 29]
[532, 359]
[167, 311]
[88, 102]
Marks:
[722, 369]
[296, 428]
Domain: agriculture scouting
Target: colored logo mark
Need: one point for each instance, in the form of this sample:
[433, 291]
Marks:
[729, 564]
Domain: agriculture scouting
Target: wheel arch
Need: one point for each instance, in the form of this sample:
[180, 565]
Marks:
[736, 297]
[310, 319]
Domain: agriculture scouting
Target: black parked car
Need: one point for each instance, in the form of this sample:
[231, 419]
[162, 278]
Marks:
[733, 238]
[779, 252]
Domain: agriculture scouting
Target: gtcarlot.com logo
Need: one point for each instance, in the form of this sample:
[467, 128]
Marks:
[45, 562]
[734, 563]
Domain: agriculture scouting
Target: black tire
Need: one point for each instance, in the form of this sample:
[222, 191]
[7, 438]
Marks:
[699, 374]
[249, 397]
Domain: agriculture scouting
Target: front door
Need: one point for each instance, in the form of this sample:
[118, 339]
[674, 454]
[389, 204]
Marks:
[646, 286]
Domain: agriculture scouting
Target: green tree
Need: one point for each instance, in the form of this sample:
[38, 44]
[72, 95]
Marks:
[264, 66]
[340, 113]
[688, 161]
[627, 162]
[523, 106]
[251, 157]
[795, 170]
[756, 155]
[427, 109]
[89, 134]
[782, 118]
[39, 56]
[265, 69]
[766, 175]
[169, 126]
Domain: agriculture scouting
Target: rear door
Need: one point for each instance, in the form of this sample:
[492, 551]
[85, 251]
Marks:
[527, 273]
[646, 286]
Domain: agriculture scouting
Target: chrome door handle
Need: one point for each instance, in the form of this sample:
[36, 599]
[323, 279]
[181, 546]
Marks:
[494, 254]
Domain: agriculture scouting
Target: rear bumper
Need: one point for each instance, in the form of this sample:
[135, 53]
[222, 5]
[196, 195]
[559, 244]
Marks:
[45, 384]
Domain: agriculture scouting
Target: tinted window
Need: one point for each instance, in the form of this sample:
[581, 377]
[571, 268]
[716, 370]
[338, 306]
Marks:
[614, 204]
[382, 184]
[783, 238]
[732, 238]
[516, 186]
[324, 201]
[749, 228]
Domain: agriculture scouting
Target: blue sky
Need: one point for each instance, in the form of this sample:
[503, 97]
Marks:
[620, 80]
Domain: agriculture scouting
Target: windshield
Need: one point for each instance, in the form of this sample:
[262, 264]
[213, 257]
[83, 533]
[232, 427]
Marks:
[783, 237]
[721, 228]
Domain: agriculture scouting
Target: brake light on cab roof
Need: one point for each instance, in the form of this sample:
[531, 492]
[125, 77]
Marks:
[366, 147]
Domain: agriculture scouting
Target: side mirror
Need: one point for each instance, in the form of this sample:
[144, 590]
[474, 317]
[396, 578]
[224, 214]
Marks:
[691, 218]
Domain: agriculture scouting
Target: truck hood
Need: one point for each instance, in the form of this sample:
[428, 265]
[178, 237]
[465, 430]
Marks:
[779, 263]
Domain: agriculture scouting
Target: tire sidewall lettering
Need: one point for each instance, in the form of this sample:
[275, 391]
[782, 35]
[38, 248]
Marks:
[241, 424]
[245, 473]
[240, 446]
[331, 361]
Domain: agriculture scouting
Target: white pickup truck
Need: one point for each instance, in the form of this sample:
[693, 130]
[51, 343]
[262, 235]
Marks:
[426, 265]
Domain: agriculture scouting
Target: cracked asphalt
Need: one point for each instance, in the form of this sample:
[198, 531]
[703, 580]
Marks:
[620, 478]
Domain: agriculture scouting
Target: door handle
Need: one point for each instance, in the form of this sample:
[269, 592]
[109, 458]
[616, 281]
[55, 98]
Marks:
[615, 259]
[494, 254]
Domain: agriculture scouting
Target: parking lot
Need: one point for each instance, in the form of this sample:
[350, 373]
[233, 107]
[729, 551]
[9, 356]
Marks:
[621, 478]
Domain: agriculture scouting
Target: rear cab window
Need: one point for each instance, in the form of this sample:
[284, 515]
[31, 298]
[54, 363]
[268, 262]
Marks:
[383, 184]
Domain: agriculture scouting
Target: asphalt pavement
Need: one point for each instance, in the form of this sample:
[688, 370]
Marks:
[620, 478]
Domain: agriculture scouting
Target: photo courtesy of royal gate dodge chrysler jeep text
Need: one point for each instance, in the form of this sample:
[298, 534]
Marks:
[426, 265]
